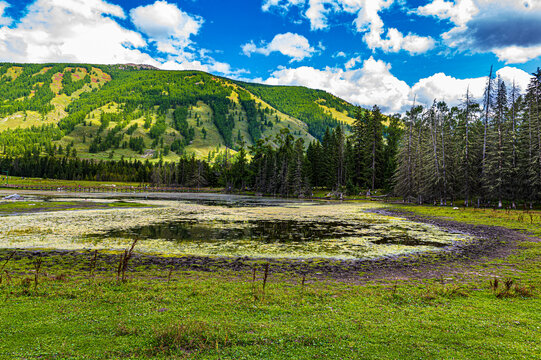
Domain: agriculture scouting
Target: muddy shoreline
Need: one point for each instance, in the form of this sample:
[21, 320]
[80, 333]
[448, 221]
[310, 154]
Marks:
[453, 261]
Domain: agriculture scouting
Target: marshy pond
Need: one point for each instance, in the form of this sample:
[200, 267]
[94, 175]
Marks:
[220, 225]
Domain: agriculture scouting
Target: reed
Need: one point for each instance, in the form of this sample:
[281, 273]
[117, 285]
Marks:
[303, 282]
[171, 268]
[253, 282]
[93, 264]
[123, 262]
[265, 277]
[37, 268]
[2, 269]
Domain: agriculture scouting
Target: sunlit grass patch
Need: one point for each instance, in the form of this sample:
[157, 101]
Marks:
[8, 207]
[206, 315]
[528, 221]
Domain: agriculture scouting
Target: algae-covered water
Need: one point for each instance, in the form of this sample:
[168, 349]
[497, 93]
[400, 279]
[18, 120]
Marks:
[216, 225]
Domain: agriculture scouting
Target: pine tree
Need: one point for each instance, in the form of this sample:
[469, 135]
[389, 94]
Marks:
[515, 105]
[488, 101]
[467, 166]
[338, 155]
[497, 152]
[392, 133]
[359, 136]
[374, 142]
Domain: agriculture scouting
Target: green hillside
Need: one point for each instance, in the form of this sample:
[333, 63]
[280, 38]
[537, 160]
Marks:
[131, 111]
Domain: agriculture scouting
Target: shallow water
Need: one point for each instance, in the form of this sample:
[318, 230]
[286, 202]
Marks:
[215, 225]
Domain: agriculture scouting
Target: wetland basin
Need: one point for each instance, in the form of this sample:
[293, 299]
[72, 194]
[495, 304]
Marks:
[227, 225]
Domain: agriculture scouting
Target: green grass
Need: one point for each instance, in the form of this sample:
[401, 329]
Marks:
[527, 221]
[214, 315]
[218, 315]
[25, 206]
[13, 180]
[17, 207]
[23, 121]
[223, 315]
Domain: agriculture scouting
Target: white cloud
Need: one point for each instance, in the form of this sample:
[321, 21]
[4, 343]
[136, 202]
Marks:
[352, 62]
[516, 23]
[459, 12]
[517, 54]
[367, 21]
[284, 4]
[447, 88]
[396, 41]
[208, 64]
[443, 87]
[166, 25]
[71, 31]
[4, 20]
[297, 47]
[318, 11]
[369, 85]
[340, 54]
[86, 31]
[511, 74]
[374, 83]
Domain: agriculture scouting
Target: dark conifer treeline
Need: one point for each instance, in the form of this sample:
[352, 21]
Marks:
[484, 154]
[278, 166]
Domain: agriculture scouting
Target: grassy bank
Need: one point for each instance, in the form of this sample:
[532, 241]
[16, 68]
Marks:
[8, 207]
[79, 310]
[14, 180]
[527, 221]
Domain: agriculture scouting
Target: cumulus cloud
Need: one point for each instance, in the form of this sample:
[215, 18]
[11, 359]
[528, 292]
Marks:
[295, 46]
[71, 31]
[373, 83]
[352, 62]
[88, 31]
[367, 21]
[447, 88]
[166, 25]
[283, 4]
[443, 87]
[4, 20]
[206, 64]
[396, 41]
[459, 12]
[509, 29]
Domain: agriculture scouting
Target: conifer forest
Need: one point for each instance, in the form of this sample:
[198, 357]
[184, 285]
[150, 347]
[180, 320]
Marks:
[484, 152]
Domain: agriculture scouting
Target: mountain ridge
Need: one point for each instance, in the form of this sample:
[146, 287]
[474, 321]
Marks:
[137, 111]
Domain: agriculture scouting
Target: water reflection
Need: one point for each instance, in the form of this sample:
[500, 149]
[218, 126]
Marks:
[264, 231]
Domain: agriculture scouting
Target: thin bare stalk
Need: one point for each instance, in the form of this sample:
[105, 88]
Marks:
[93, 263]
[4, 266]
[36, 275]
[170, 273]
[253, 283]
[265, 276]
[302, 284]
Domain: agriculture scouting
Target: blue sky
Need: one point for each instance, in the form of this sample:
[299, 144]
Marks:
[369, 52]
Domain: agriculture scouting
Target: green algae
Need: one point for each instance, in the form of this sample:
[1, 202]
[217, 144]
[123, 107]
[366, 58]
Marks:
[175, 228]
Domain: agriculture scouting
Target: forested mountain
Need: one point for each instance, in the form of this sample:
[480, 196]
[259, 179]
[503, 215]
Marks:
[189, 128]
[344, 164]
[137, 112]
